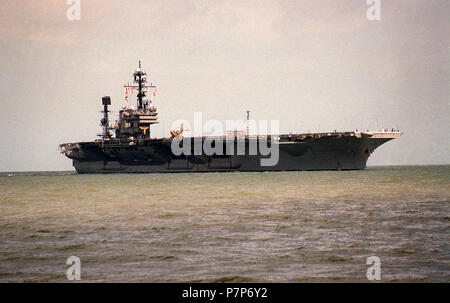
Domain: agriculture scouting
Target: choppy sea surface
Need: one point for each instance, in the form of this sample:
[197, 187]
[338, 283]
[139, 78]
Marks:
[227, 227]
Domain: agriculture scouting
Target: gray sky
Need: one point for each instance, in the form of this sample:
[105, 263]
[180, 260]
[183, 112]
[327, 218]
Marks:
[313, 65]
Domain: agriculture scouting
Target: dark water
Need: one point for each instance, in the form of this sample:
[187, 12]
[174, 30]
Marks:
[237, 227]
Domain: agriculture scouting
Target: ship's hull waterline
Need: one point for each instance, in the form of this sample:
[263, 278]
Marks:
[311, 151]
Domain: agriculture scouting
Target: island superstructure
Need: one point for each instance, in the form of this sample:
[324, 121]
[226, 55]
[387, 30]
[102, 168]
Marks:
[132, 149]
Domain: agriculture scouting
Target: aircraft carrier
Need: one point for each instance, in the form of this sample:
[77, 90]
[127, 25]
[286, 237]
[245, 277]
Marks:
[131, 149]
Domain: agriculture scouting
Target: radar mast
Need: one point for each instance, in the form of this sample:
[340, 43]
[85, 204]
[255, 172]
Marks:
[135, 123]
[140, 78]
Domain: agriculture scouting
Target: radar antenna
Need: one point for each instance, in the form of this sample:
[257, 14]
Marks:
[140, 78]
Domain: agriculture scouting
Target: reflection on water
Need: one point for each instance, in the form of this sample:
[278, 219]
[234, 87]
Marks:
[227, 227]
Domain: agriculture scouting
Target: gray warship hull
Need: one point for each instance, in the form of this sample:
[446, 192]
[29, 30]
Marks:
[309, 151]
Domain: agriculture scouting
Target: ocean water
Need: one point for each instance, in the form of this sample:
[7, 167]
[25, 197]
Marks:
[227, 227]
